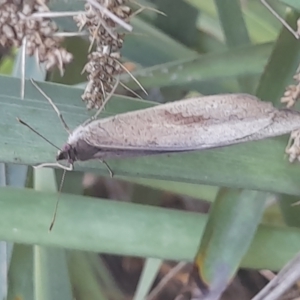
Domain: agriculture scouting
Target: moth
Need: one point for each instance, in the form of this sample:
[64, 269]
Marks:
[187, 125]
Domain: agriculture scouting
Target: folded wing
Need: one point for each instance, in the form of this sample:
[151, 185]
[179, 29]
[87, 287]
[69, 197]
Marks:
[196, 123]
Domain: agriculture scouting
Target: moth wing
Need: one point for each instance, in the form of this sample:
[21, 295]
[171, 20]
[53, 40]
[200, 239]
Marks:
[190, 124]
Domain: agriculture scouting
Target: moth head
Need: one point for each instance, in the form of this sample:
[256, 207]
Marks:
[67, 152]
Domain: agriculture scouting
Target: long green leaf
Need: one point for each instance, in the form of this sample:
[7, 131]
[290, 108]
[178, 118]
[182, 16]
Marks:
[21, 268]
[51, 280]
[3, 266]
[282, 65]
[253, 165]
[262, 26]
[91, 224]
[292, 3]
[149, 273]
[232, 224]
[51, 274]
[236, 33]
[248, 60]
[20, 273]
[88, 286]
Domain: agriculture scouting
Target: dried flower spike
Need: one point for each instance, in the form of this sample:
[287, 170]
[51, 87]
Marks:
[103, 66]
[293, 146]
[290, 97]
[16, 25]
[292, 92]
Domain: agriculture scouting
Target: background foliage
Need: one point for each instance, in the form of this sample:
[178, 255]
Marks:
[208, 47]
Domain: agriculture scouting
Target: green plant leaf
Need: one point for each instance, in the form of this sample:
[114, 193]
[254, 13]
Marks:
[180, 23]
[236, 33]
[149, 46]
[280, 69]
[292, 3]
[231, 226]
[253, 165]
[241, 61]
[82, 273]
[149, 273]
[51, 279]
[50, 271]
[21, 266]
[262, 26]
[126, 229]
[199, 191]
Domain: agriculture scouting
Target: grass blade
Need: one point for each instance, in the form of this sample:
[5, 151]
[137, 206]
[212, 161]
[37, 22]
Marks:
[149, 273]
[126, 229]
[254, 165]
[231, 226]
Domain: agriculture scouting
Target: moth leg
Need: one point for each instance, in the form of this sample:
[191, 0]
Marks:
[111, 174]
[53, 105]
[67, 168]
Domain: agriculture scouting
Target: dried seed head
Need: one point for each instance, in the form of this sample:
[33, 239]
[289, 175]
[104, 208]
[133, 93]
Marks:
[293, 147]
[15, 25]
[290, 97]
[101, 69]
[103, 64]
[292, 92]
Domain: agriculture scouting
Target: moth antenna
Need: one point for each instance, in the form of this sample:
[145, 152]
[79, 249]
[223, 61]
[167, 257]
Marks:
[56, 164]
[134, 79]
[111, 173]
[53, 105]
[23, 63]
[45, 139]
[110, 15]
[281, 20]
[130, 90]
[142, 8]
[57, 200]
[104, 102]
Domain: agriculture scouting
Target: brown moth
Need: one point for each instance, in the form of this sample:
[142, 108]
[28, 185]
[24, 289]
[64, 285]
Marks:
[186, 125]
